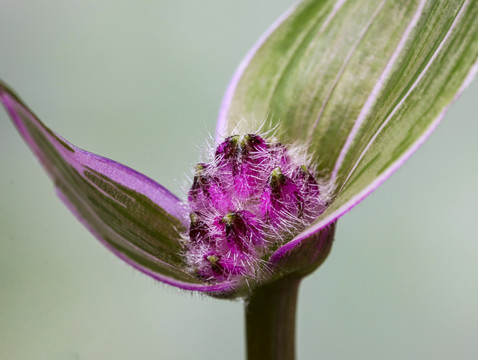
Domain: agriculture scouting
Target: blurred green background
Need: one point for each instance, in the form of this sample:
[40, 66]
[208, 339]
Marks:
[141, 82]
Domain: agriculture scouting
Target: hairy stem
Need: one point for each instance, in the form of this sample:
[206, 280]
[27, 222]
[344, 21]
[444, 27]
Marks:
[270, 320]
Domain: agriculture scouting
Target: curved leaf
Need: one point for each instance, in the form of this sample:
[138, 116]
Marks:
[133, 216]
[362, 84]
[303, 257]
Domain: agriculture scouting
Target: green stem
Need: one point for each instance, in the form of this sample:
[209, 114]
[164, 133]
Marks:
[270, 320]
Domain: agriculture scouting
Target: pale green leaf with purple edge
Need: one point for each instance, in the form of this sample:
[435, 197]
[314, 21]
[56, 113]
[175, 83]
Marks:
[136, 218]
[362, 84]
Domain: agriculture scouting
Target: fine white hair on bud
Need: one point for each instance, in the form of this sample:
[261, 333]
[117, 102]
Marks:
[251, 196]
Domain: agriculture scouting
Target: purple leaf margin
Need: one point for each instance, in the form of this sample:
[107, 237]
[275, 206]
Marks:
[82, 163]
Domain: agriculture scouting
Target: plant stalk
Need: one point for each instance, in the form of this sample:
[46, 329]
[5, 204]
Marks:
[270, 320]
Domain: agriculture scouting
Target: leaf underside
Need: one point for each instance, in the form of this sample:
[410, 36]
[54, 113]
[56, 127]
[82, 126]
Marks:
[362, 84]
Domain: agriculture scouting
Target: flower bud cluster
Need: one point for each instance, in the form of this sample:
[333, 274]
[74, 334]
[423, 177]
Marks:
[251, 197]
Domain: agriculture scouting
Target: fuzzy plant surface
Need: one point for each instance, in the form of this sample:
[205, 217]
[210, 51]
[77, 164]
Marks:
[326, 106]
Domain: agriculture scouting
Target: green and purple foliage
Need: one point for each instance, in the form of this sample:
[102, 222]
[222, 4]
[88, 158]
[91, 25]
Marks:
[333, 99]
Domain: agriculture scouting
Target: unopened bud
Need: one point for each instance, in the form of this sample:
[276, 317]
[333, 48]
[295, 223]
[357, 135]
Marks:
[281, 198]
[251, 197]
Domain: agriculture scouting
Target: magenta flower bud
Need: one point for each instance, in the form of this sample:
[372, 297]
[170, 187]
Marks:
[231, 265]
[200, 181]
[313, 202]
[230, 246]
[241, 230]
[222, 267]
[252, 197]
[243, 158]
[198, 229]
[237, 150]
[281, 199]
[206, 263]
[207, 191]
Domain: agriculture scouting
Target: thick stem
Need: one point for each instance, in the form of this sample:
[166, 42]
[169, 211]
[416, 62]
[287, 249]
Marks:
[270, 320]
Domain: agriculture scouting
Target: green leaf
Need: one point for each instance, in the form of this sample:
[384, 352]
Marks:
[136, 218]
[362, 84]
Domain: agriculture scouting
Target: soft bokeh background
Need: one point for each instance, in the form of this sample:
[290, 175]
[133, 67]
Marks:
[141, 82]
